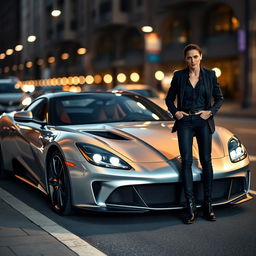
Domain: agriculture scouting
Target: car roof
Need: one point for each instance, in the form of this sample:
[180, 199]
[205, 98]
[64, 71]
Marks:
[63, 94]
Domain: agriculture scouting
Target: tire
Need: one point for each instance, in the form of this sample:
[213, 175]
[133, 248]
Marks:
[59, 185]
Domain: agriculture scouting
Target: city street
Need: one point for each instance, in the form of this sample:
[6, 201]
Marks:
[79, 136]
[162, 233]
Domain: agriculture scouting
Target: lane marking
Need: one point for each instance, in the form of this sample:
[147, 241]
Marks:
[72, 241]
[252, 158]
[252, 192]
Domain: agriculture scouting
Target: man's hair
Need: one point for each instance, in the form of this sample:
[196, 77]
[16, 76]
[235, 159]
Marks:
[192, 47]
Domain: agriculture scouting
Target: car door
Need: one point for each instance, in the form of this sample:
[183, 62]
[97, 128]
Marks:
[33, 137]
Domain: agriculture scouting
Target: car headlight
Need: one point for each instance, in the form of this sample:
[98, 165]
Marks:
[101, 157]
[26, 101]
[236, 150]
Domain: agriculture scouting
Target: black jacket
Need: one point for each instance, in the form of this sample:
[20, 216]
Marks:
[212, 87]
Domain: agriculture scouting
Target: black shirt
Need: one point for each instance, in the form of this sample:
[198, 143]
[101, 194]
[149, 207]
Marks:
[194, 98]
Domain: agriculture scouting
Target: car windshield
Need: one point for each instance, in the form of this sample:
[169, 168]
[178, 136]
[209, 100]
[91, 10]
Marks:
[9, 88]
[92, 108]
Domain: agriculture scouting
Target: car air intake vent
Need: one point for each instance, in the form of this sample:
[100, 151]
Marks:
[108, 135]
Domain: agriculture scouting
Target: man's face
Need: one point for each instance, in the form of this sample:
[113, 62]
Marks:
[193, 59]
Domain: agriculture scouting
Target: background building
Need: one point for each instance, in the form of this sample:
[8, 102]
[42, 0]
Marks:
[105, 37]
[10, 37]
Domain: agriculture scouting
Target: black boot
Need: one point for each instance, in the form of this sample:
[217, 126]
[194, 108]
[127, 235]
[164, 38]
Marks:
[191, 212]
[208, 211]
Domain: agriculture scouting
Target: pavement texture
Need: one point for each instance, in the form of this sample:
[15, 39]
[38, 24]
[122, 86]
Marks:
[19, 236]
[231, 109]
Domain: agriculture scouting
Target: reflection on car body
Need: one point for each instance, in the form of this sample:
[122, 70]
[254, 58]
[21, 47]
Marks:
[112, 151]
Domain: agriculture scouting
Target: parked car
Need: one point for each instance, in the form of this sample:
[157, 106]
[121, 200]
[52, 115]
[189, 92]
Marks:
[11, 96]
[112, 152]
[144, 90]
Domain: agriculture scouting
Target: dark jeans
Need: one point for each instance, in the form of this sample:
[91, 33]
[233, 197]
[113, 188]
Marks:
[188, 127]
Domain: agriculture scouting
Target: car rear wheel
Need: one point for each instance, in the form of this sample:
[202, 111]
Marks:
[59, 185]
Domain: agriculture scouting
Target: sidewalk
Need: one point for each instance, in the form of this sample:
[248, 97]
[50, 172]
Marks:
[231, 109]
[19, 236]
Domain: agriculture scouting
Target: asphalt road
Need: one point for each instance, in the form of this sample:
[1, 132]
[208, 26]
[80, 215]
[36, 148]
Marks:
[162, 233]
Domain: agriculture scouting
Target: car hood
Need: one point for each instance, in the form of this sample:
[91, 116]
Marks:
[144, 141]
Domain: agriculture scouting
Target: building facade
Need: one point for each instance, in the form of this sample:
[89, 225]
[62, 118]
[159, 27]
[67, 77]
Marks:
[105, 37]
[10, 36]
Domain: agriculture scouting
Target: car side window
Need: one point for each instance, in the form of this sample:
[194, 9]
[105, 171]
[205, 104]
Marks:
[38, 109]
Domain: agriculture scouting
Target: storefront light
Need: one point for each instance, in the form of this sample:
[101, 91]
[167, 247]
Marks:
[217, 71]
[18, 47]
[81, 51]
[135, 77]
[97, 79]
[89, 79]
[2, 56]
[159, 75]
[147, 29]
[51, 59]
[31, 39]
[9, 51]
[108, 79]
[56, 13]
[29, 64]
[65, 56]
[81, 79]
[121, 77]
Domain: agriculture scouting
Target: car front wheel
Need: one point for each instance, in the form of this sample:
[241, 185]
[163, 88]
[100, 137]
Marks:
[59, 185]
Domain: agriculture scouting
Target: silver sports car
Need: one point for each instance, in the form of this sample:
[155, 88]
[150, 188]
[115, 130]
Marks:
[112, 151]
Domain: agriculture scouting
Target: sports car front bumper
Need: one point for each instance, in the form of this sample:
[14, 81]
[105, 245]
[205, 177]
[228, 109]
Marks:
[142, 192]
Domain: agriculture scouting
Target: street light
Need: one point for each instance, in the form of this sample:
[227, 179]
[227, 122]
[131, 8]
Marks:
[135, 77]
[18, 47]
[147, 29]
[9, 52]
[2, 56]
[81, 51]
[56, 13]
[31, 38]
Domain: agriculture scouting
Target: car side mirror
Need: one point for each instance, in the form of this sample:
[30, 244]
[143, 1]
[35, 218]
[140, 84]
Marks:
[23, 116]
[27, 116]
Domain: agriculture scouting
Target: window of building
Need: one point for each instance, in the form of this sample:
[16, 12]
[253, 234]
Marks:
[125, 6]
[139, 2]
[133, 40]
[176, 30]
[105, 8]
[104, 47]
[221, 20]
[74, 15]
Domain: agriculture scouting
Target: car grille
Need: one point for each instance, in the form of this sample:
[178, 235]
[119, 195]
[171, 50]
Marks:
[171, 195]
